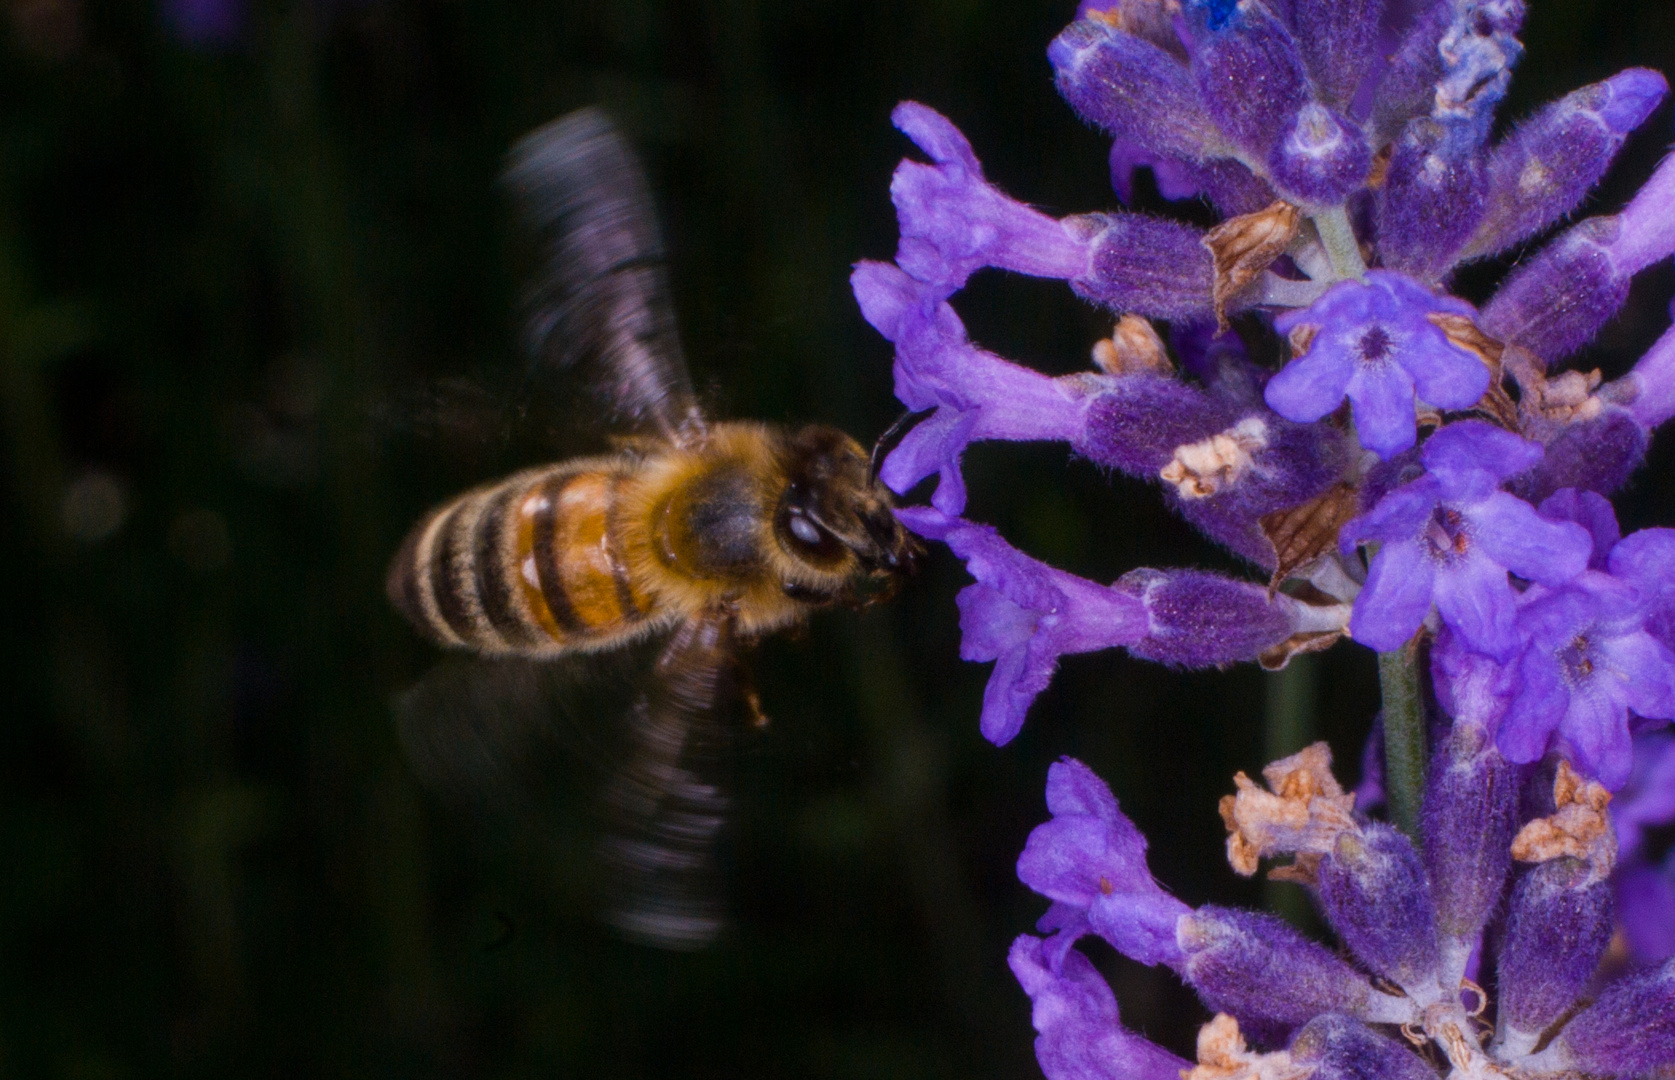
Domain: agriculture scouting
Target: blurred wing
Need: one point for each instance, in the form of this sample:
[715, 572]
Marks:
[515, 749]
[601, 295]
[624, 817]
[665, 810]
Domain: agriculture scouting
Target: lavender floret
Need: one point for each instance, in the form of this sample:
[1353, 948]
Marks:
[1375, 344]
[1585, 662]
[1133, 89]
[1080, 1035]
[1450, 538]
[1544, 169]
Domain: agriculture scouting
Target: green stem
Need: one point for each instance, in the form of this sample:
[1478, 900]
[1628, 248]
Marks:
[1288, 726]
[1404, 735]
[1338, 236]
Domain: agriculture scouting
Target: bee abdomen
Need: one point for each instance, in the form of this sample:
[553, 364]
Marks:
[531, 565]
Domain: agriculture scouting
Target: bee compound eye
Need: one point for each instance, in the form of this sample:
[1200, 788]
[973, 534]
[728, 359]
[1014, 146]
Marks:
[804, 530]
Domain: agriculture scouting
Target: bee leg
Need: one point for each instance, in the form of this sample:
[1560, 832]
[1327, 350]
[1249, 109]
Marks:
[745, 681]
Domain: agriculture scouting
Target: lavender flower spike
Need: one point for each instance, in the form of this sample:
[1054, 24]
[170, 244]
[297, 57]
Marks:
[953, 223]
[1374, 343]
[1090, 861]
[1449, 539]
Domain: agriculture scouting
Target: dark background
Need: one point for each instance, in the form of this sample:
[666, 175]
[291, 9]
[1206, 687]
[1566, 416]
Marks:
[255, 316]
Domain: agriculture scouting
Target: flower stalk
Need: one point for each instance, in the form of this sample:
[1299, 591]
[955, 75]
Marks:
[1338, 237]
[1404, 735]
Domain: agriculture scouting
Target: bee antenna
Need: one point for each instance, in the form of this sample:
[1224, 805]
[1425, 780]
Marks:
[892, 436]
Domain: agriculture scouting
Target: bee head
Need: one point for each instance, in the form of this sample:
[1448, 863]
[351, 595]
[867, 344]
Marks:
[835, 521]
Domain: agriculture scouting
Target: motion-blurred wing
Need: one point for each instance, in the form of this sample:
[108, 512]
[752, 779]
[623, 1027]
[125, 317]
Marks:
[615, 809]
[601, 295]
[665, 809]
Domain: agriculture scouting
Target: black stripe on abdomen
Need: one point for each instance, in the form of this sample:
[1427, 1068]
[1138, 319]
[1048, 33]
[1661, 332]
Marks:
[492, 566]
[544, 549]
[452, 588]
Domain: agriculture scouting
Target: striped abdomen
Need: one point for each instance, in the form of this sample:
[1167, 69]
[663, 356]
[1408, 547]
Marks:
[531, 565]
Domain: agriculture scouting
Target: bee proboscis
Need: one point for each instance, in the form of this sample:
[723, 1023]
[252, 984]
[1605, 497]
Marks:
[710, 534]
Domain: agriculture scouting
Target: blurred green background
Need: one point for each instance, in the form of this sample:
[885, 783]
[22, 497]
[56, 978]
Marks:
[256, 315]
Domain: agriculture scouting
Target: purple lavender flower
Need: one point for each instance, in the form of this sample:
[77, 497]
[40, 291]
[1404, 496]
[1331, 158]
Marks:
[1449, 539]
[977, 395]
[1335, 134]
[1585, 662]
[1025, 615]
[1338, 134]
[1375, 344]
[1175, 179]
[1646, 560]
[1313, 1008]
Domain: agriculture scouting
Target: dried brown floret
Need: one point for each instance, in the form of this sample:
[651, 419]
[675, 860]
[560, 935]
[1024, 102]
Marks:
[1579, 827]
[1201, 469]
[1303, 811]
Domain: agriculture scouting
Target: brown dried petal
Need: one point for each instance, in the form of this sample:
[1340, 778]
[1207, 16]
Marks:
[1275, 657]
[1302, 338]
[1565, 398]
[1244, 246]
[1381, 166]
[1305, 532]
[1463, 333]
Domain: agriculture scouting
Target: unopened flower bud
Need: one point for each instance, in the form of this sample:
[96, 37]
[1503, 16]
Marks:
[1469, 816]
[1557, 928]
[1259, 968]
[1555, 302]
[1250, 48]
[1629, 1031]
[1341, 1048]
[1322, 157]
[1550, 162]
[1432, 199]
[1373, 889]
[1131, 88]
[1339, 40]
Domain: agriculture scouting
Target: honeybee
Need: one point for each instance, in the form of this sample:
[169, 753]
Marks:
[706, 534]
